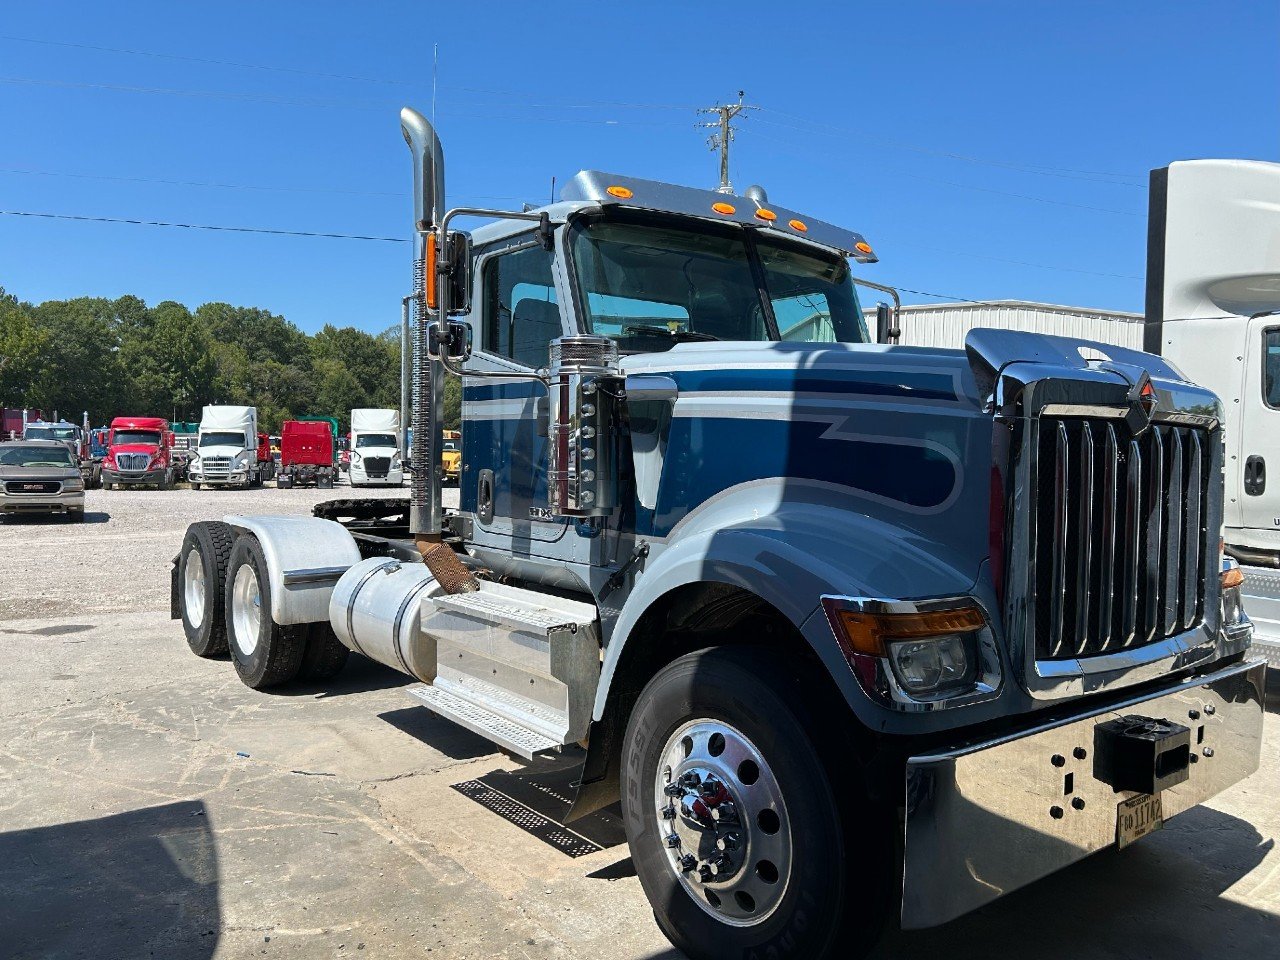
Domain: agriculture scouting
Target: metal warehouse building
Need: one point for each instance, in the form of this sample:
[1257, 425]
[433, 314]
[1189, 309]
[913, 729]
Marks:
[946, 324]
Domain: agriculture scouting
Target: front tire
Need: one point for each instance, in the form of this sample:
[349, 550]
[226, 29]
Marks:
[202, 568]
[265, 653]
[739, 834]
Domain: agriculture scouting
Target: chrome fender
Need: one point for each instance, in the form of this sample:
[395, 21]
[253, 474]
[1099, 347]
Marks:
[305, 558]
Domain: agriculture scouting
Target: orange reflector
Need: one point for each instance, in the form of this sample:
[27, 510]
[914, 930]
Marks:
[1232, 578]
[862, 247]
[764, 214]
[622, 193]
[867, 633]
[429, 271]
[798, 225]
[728, 209]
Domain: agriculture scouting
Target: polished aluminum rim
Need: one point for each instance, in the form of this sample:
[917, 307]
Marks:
[246, 609]
[721, 820]
[193, 588]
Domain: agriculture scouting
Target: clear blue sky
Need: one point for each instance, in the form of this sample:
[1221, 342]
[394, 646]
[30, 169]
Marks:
[977, 145]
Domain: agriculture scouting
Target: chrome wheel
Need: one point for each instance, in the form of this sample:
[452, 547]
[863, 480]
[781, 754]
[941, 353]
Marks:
[193, 588]
[720, 817]
[246, 609]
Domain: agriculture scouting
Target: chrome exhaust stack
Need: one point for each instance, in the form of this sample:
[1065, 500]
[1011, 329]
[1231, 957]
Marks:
[428, 375]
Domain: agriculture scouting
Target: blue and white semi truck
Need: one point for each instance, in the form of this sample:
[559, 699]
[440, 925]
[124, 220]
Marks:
[849, 629]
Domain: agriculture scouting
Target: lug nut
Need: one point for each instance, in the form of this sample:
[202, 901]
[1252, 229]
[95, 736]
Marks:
[731, 841]
[673, 790]
[705, 874]
[690, 779]
[673, 840]
[688, 862]
[668, 812]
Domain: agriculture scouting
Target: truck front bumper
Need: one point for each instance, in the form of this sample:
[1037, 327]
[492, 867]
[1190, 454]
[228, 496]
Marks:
[987, 818]
[156, 477]
[63, 502]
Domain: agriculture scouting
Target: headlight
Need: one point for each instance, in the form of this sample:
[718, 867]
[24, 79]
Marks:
[938, 663]
[73, 485]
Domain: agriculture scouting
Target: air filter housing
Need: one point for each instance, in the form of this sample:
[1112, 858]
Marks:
[585, 387]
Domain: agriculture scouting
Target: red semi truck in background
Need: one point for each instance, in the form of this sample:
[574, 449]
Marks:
[306, 454]
[139, 451]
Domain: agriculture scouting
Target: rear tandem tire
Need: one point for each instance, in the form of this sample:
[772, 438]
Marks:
[265, 654]
[201, 593]
[325, 655]
[815, 865]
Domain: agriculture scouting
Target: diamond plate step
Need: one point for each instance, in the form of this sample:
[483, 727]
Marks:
[521, 741]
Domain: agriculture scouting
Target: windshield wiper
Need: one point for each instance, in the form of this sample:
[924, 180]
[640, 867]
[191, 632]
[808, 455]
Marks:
[680, 336]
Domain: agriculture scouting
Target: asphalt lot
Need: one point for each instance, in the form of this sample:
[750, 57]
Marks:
[153, 806]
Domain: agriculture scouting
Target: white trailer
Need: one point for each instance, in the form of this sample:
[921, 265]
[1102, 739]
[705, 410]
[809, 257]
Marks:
[375, 448]
[947, 324]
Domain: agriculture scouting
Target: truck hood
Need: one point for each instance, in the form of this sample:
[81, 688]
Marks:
[220, 451]
[38, 473]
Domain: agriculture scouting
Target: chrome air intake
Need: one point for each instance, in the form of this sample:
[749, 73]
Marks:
[584, 386]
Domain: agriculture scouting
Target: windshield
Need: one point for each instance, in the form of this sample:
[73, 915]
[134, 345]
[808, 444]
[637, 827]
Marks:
[151, 437]
[375, 440]
[50, 433]
[35, 457]
[222, 438]
[649, 287]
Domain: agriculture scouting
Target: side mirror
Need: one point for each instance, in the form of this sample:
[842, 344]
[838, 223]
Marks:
[455, 343]
[449, 272]
[887, 330]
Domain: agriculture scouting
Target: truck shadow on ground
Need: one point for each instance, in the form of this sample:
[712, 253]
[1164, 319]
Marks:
[53, 519]
[360, 675]
[143, 883]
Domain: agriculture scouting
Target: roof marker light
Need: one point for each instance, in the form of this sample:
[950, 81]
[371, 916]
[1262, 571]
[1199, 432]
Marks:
[863, 247]
[767, 215]
[798, 225]
[622, 193]
[728, 209]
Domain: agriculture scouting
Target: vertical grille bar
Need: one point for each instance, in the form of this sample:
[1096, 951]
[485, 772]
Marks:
[1151, 574]
[1107, 557]
[1084, 553]
[1133, 544]
[1061, 521]
[1193, 578]
[1173, 555]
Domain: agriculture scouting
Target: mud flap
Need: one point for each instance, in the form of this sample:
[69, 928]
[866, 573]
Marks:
[175, 598]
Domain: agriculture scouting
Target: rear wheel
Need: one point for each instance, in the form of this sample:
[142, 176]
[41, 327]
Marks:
[325, 655]
[739, 833]
[202, 568]
[265, 653]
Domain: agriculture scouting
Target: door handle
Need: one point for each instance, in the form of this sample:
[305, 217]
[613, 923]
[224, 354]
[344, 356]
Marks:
[1255, 476]
[484, 496]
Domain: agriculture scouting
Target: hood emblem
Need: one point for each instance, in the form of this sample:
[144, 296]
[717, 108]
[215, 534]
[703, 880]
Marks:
[1142, 405]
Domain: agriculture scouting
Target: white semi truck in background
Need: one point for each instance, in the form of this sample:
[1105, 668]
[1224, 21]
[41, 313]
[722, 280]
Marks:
[230, 452]
[376, 458]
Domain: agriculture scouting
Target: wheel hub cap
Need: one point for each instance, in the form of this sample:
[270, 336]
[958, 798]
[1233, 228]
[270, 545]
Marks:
[193, 588]
[722, 822]
[246, 614]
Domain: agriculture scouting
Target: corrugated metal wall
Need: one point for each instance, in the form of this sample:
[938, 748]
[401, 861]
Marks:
[946, 324]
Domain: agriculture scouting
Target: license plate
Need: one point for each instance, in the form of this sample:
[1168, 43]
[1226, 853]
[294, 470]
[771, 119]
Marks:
[1137, 817]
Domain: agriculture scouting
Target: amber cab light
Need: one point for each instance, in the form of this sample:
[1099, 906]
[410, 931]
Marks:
[622, 193]
[863, 247]
[429, 271]
[728, 209]
[764, 214]
[798, 225]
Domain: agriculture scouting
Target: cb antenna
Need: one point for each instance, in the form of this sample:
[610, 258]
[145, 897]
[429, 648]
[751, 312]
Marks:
[724, 134]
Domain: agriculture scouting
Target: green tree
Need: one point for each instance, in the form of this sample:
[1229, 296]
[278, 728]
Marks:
[22, 347]
[81, 369]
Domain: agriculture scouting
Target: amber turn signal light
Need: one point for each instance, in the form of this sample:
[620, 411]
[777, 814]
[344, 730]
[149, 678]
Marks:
[429, 272]
[1232, 578]
[866, 633]
[622, 193]
[728, 209]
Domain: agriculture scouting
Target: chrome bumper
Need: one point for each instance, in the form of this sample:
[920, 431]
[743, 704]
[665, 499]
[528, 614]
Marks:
[987, 818]
[42, 502]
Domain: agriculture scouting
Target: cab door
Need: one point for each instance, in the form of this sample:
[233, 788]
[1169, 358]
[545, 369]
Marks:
[1258, 440]
[504, 444]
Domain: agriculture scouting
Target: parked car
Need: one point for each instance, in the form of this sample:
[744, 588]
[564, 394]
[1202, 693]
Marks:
[40, 476]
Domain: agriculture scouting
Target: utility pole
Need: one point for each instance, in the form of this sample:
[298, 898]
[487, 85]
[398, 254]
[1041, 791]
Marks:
[724, 134]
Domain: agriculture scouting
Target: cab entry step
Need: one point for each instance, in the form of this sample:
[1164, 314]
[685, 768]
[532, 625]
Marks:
[507, 734]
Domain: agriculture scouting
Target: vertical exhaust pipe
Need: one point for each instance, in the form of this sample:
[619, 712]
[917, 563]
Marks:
[425, 518]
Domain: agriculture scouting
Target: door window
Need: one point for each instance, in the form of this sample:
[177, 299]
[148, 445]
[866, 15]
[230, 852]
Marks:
[1271, 367]
[521, 316]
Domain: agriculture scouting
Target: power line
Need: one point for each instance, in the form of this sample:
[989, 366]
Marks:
[199, 226]
[720, 140]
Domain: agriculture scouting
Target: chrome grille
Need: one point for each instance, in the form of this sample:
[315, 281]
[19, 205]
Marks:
[133, 461]
[215, 466]
[1120, 540]
[377, 466]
